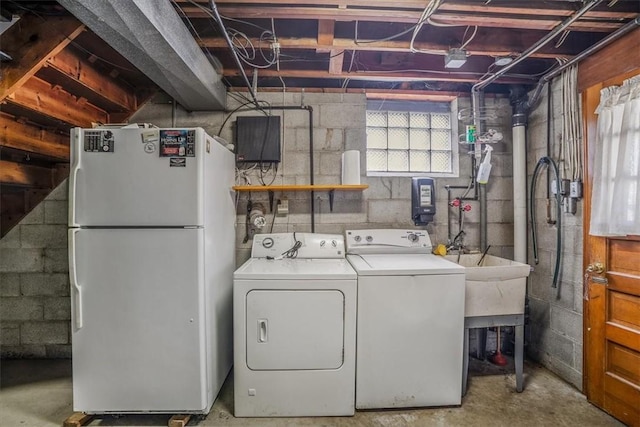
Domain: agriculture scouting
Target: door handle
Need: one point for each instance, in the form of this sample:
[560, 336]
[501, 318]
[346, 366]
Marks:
[73, 278]
[595, 267]
[263, 333]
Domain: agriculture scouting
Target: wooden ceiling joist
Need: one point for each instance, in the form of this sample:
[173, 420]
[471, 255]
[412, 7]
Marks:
[33, 139]
[407, 76]
[540, 8]
[528, 22]
[12, 173]
[30, 43]
[100, 88]
[508, 46]
[336, 60]
[39, 96]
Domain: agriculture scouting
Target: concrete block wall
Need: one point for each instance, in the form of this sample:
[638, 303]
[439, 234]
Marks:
[34, 262]
[555, 328]
[34, 283]
[339, 125]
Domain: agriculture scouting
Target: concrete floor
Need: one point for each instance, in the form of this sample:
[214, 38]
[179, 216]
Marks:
[38, 393]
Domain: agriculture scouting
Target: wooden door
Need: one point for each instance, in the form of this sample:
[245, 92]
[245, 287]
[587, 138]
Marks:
[612, 301]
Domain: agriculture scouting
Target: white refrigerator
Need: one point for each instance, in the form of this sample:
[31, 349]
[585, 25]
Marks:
[151, 261]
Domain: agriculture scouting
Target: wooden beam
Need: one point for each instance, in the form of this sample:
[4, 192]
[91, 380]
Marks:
[506, 46]
[325, 37]
[405, 16]
[21, 174]
[38, 95]
[380, 76]
[107, 90]
[538, 8]
[32, 139]
[336, 60]
[30, 43]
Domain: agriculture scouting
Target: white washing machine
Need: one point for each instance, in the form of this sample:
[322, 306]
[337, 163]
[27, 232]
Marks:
[410, 321]
[294, 312]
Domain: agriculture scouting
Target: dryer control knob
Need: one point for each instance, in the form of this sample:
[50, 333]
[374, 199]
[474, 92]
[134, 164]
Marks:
[322, 243]
[334, 243]
[369, 238]
[413, 237]
[357, 238]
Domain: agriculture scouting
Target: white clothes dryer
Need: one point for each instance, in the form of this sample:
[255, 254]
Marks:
[410, 321]
[295, 328]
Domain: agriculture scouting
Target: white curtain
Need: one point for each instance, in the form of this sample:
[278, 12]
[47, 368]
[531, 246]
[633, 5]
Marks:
[615, 202]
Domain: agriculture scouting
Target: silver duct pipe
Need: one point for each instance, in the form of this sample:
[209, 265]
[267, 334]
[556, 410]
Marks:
[538, 45]
[634, 23]
[519, 136]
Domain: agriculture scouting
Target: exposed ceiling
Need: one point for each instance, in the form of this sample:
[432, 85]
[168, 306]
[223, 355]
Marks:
[61, 74]
[351, 44]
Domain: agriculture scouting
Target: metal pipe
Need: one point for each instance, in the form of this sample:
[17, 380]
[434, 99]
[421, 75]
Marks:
[538, 45]
[311, 179]
[218, 18]
[634, 23]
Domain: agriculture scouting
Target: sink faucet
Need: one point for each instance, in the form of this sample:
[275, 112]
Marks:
[457, 244]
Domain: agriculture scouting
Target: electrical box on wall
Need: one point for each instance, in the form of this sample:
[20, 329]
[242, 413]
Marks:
[423, 200]
[258, 139]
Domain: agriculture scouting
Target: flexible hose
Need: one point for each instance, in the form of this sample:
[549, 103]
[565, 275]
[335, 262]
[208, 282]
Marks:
[546, 161]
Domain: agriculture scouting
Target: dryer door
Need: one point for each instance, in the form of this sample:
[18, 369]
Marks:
[295, 330]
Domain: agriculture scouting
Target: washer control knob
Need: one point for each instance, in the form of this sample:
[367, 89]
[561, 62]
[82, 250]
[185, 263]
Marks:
[334, 243]
[322, 243]
[369, 239]
[267, 242]
[357, 238]
[413, 237]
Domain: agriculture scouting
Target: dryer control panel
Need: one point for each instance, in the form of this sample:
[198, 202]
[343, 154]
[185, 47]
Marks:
[388, 241]
[298, 245]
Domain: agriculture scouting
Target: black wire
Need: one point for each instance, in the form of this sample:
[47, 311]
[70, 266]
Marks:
[293, 251]
[391, 37]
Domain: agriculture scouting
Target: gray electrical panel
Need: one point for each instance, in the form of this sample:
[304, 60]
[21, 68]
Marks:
[258, 139]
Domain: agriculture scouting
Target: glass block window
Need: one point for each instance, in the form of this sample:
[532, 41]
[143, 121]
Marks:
[410, 138]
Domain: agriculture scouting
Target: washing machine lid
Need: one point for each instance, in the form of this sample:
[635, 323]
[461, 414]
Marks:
[402, 265]
[293, 269]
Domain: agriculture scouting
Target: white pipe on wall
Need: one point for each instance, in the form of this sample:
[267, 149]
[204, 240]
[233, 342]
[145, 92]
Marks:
[519, 193]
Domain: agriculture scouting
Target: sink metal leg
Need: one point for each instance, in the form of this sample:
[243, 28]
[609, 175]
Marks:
[481, 343]
[519, 356]
[465, 361]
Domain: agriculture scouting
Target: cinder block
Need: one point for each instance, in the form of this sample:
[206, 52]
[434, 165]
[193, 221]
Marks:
[21, 260]
[567, 323]
[41, 333]
[57, 308]
[44, 236]
[577, 356]
[500, 189]
[354, 98]
[355, 139]
[242, 255]
[342, 115]
[331, 228]
[500, 234]
[58, 351]
[9, 334]
[331, 164]
[317, 99]
[36, 216]
[296, 119]
[21, 308]
[11, 240]
[391, 211]
[44, 284]
[329, 139]
[341, 218]
[298, 163]
[563, 370]
[500, 211]
[56, 211]
[23, 352]
[61, 192]
[56, 261]
[379, 187]
[401, 188]
[9, 285]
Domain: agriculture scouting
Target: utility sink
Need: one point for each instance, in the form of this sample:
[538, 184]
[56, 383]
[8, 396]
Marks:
[496, 287]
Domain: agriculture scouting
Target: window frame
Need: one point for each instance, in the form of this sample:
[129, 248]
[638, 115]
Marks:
[439, 107]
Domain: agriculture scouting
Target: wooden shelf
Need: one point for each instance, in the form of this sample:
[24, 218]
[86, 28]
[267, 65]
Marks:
[273, 188]
[332, 187]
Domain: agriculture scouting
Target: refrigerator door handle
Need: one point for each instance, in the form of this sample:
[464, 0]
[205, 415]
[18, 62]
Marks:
[76, 289]
[75, 167]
